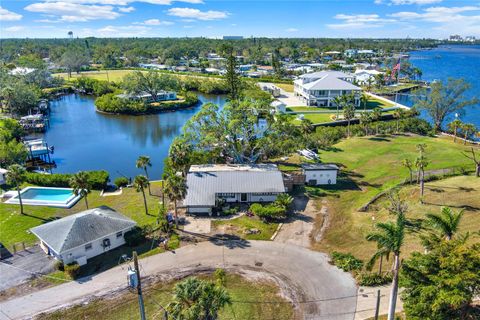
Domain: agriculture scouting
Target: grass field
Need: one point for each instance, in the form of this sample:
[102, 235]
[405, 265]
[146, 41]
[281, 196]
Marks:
[371, 165]
[125, 306]
[14, 226]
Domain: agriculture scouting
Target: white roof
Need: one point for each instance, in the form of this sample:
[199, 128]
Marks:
[2, 171]
[328, 80]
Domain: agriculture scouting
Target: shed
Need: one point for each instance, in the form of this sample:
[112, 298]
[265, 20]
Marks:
[320, 173]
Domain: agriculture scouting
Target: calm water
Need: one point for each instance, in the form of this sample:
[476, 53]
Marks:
[456, 61]
[87, 140]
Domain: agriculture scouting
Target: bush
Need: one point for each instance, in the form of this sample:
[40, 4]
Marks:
[346, 261]
[373, 279]
[97, 179]
[134, 237]
[72, 270]
[268, 212]
[121, 182]
[59, 266]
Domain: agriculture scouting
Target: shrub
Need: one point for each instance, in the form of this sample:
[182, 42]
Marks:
[97, 179]
[346, 261]
[134, 237]
[221, 277]
[373, 279]
[268, 212]
[72, 270]
[121, 182]
[59, 266]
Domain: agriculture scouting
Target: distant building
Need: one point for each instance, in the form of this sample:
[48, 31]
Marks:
[84, 235]
[232, 37]
[455, 38]
[470, 39]
[19, 71]
[365, 76]
[320, 173]
[3, 176]
[211, 185]
[278, 106]
[147, 97]
[320, 88]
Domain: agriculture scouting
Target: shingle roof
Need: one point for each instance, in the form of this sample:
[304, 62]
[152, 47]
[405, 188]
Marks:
[319, 166]
[203, 182]
[81, 228]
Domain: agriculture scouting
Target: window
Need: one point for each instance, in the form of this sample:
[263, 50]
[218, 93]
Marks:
[119, 234]
[88, 246]
[106, 242]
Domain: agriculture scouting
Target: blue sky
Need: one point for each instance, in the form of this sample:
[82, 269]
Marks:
[215, 18]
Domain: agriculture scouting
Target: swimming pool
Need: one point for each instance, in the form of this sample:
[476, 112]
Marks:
[45, 196]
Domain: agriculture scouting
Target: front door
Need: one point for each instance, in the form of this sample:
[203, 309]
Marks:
[243, 197]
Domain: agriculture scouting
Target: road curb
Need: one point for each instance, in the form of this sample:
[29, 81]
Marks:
[276, 232]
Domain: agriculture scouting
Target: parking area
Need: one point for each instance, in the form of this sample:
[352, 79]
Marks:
[23, 265]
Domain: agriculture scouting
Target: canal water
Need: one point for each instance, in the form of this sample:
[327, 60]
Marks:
[87, 140]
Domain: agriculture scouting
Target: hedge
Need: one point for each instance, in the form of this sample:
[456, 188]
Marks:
[98, 179]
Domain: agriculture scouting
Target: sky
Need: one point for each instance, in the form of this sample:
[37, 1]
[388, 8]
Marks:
[217, 18]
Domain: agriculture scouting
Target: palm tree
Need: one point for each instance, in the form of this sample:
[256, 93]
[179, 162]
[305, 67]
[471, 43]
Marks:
[468, 129]
[143, 162]
[284, 200]
[338, 101]
[454, 126]
[15, 177]
[390, 238]
[198, 299]
[364, 99]
[365, 120]
[399, 114]
[421, 163]
[376, 116]
[446, 222]
[175, 189]
[140, 183]
[407, 163]
[81, 185]
[349, 114]
[379, 255]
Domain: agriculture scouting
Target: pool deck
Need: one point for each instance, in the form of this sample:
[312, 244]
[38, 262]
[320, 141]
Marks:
[68, 203]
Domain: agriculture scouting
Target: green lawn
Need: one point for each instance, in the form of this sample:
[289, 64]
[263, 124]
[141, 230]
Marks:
[14, 226]
[285, 86]
[373, 103]
[125, 306]
[239, 225]
[315, 117]
[369, 166]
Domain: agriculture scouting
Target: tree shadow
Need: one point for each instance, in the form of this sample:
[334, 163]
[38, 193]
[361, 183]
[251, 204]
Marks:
[465, 207]
[332, 149]
[229, 241]
[44, 220]
[379, 139]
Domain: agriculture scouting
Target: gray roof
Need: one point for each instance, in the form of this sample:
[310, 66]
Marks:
[204, 182]
[319, 166]
[81, 228]
[330, 82]
[321, 74]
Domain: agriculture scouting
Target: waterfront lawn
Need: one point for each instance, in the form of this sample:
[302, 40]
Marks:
[113, 75]
[238, 226]
[371, 165]
[373, 103]
[14, 227]
[125, 306]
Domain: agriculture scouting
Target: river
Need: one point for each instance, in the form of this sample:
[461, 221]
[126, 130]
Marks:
[87, 140]
[453, 61]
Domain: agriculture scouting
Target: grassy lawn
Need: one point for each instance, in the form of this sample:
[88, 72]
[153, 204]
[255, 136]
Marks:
[239, 225]
[369, 166]
[314, 117]
[373, 103]
[14, 226]
[125, 306]
[285, 86]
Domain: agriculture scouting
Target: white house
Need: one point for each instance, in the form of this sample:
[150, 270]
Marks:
[83, 235]
[320, 88]
[144, 96]
[320, 173]
[210, 185]
[278, 106]
[3, 174]
[365, 76]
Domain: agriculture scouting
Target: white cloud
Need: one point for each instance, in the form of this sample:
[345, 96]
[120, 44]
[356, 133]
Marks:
[418, 2]
[291, 30]
[197, 14]
[359, 21]
[156, 22]
[74, 12]
[440, 14]
[6, 15]
[14, 28]
[126, 2]
[116, 31]
[126, 9]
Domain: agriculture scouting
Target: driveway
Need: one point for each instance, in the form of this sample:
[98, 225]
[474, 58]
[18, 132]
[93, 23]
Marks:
[24, 265]
[289, 99]
[321, 291]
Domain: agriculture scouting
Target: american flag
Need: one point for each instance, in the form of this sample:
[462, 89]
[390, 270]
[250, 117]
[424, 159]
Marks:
[396, 69]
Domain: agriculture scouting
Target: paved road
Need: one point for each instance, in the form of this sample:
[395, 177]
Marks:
[33, 260]
[325, 291]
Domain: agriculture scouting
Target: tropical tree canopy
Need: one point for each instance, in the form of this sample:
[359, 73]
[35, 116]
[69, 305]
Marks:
[151, 82]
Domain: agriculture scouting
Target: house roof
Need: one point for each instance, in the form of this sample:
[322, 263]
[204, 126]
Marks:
[330, 82]
[81, 228]
[205, 181]
[319, 166]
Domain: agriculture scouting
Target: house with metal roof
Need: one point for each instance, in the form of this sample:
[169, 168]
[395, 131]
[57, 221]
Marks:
[84, 235]
[320, 173]
[211, 185]
[320, 88]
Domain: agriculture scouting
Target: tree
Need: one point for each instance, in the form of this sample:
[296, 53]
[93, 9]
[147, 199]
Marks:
[468, 129]
[15, 177]
[407, 163]
[364, 99]
[376, 116]
[398, 114]
[349, 114]
[231, 76]
[442, 283]
[140, 183]
[446, 223]
[74, 59]
[453, 127]
[284, 200]
[445, 99]
[390, 238]
[196, 299]
[81, 185]
[365, 120]
[175, 189]
[151, 82]
[143, 162]
[421, 163]
[20, 96]
[473, 156]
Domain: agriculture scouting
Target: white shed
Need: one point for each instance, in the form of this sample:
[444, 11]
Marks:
[279, 106]
[320, 173]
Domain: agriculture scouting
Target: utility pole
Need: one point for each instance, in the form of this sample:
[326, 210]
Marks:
[139, 286]
[377, 308]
